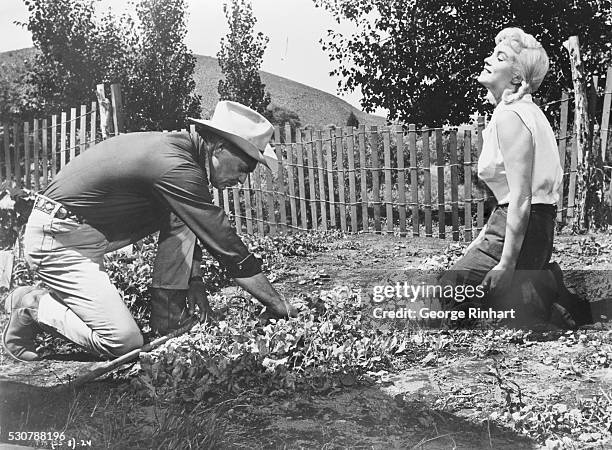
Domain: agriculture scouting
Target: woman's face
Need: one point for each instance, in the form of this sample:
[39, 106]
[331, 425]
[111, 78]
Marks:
[498, 73]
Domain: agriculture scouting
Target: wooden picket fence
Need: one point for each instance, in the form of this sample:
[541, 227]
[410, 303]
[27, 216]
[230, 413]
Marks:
[35, 151]
[384, 180]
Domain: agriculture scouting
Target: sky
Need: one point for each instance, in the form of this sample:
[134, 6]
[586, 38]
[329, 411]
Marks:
[293, 26]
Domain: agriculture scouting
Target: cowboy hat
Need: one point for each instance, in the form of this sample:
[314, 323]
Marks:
[246, 129]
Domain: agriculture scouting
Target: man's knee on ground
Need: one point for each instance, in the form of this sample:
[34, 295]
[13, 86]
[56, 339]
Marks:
[121, 342]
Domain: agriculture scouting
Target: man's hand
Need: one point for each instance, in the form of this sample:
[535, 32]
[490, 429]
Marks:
[498, 280]
[281, 309]
[260, 288]
[196, 295]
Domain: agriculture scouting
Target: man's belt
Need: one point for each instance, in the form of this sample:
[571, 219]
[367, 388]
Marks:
[55, 209]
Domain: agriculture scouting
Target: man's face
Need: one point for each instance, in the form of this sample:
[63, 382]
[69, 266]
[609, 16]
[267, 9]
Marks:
[230, 166]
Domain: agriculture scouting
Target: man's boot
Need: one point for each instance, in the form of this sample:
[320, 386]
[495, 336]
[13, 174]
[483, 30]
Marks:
[168, 309]
[22, 327]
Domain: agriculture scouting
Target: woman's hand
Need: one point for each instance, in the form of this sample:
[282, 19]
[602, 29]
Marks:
[498, 279]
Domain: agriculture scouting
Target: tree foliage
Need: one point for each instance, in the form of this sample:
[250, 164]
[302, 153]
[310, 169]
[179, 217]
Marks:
[240, 58]
[162, 91]
[352, 120]
[79, 49]
[278, 115]
[419, 58]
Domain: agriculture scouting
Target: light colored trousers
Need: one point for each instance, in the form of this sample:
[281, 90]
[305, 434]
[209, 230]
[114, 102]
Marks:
[83, 305]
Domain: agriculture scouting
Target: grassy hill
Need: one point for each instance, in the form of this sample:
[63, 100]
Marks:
[313, 106]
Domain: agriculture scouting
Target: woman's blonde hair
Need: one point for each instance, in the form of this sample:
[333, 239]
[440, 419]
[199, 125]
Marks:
[531, 62]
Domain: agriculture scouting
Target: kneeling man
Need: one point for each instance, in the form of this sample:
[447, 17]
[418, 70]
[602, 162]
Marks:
[118, 192]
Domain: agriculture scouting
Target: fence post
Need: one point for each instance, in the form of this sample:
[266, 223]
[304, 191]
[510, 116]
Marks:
[562, 145]
[467, 184]
[118, 113]
[36, 158]
[350, 149]
[330, 179]
[7, 153]
[105, 112]
[248, 205]
[365, 221]
[375, 177]
[414, 179]
[299, 148]
[590, 179]
[270, 202]
[45, 153]
[341, 182]
[481, 200]
[401, 179]
[63, 140]
[53, 145]
[321, 167]
[605, 118]
[441, 199]
[282, 201]
[454, 167]
[26, 152]
[257, 185]
[311, 180]
[427, 181]
[92, 125]
[388, 195]
[73, 124]
[83, 129]
[17, 159]
[573, 175]
[290, 176]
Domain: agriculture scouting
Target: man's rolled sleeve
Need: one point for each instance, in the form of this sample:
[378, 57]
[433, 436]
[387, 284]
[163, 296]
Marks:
[185, 190]
[248, 267]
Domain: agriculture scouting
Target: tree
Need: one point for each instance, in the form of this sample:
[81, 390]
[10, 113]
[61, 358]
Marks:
[162, 92]
[278, 115]
[240, 58]
[352, 120]
[78, 50]
[418, 58]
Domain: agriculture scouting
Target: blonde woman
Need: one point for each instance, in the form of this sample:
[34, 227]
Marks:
[520, 164]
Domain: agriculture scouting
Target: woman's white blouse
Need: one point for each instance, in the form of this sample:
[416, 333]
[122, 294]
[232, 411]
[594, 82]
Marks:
[547, 174]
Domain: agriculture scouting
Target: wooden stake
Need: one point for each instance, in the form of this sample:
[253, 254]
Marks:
[106, 118]
[589, 186]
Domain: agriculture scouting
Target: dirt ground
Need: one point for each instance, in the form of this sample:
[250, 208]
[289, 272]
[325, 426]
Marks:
[448, 399]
